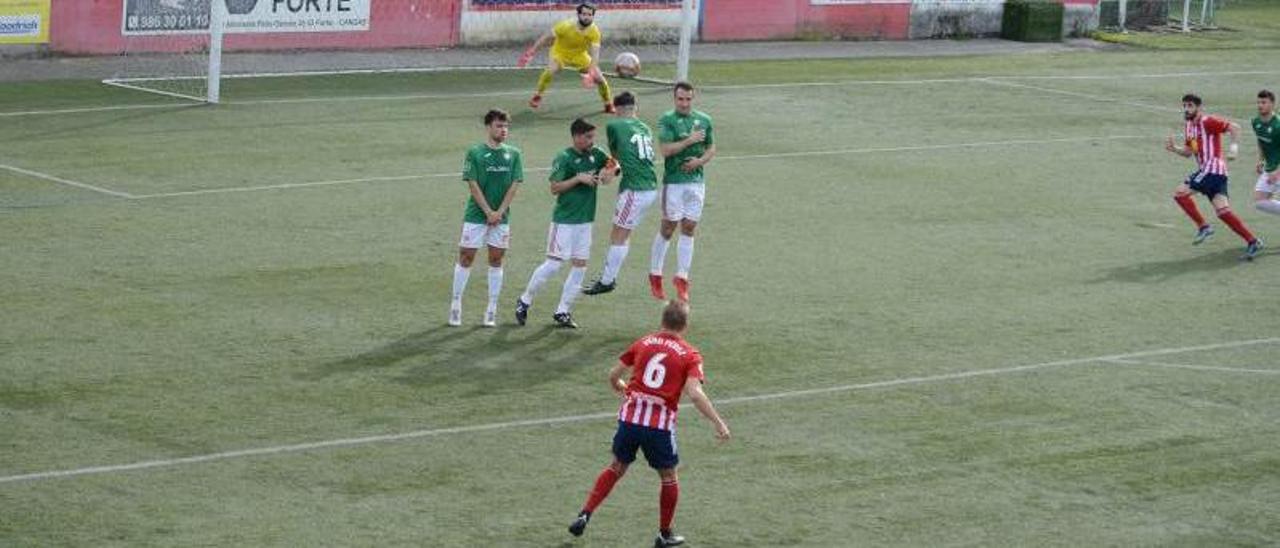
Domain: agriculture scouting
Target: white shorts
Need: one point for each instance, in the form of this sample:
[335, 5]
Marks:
[569, 241]
[683, 201]
[1264, 186]
[476, 235]
[631, 207]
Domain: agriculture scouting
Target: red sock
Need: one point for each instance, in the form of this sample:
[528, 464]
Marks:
[604, 484]
[1229, 217]
[1189, 205]
[667, 504]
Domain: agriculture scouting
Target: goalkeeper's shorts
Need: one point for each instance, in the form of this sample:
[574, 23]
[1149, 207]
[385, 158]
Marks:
[575, 61]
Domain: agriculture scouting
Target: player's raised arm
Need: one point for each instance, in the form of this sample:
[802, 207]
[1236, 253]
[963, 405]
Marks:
[693, 389]
[529, 53]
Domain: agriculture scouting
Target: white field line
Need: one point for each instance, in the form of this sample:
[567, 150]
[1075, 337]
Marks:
[978, 144]
[979, 79]
[359, 98]
[440, 432]
[194, 98]
[1139, 76]
[472, 68]
[390, 178]
[94, 109]
[1088, 96]
[1196, 367]
[928, 81]
[847, 151]
[294, 185]
[67, 182]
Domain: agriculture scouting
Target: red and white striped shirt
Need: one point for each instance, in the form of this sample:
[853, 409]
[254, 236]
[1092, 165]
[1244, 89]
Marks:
[660, 365]
[1204, 140]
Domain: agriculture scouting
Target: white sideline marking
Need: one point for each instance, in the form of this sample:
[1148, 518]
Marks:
[1196, 367]
[727, 86]
[365, 440]
[1088, 96]
[68, 182]
[393, 178]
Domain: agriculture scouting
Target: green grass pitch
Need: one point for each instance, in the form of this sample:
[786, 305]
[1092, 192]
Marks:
[959, 309]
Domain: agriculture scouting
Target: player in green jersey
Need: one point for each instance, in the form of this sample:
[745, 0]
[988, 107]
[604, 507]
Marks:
[631, 143]
[491, 170]
[1267, 128]
[576, 173]
[687, 143]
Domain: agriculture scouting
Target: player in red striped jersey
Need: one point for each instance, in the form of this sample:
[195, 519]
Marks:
[1203, 141]
[663, 367]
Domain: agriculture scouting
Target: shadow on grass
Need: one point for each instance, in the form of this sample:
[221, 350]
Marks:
[481, 360]
[1164, 270]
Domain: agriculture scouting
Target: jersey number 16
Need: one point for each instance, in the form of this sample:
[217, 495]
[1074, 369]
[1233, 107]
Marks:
[644, 146]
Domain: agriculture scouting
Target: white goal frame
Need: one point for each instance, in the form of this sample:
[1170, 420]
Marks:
[217, 32]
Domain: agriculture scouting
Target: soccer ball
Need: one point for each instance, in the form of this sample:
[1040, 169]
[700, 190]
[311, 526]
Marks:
[627, 65]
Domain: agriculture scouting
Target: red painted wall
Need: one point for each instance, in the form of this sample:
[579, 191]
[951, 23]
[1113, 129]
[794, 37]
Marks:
[93, 27]
[879, 21]
[748, 19]
[765, 19]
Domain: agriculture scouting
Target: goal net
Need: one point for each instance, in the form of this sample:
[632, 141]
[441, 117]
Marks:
[190, 48]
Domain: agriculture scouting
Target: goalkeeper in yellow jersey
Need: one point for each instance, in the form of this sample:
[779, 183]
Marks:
[575, 45]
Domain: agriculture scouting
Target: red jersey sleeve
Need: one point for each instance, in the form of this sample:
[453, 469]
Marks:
[1214, 124]
[695, 366]
[628, 358]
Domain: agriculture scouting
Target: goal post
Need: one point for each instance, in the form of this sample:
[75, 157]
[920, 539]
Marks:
[189, 49]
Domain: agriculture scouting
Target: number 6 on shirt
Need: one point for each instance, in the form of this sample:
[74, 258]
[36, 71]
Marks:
[654, 371]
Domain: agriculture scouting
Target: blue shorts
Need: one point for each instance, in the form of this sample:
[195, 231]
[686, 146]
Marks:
[659, 445]
[1209, 184]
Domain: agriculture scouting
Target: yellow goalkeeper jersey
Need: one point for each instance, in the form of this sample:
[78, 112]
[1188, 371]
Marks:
[571, 41]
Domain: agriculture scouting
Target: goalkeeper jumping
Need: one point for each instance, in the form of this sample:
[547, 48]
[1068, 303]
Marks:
[576, 45]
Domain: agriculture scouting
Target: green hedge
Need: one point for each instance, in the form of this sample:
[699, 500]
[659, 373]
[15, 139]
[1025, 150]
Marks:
[1032, 21]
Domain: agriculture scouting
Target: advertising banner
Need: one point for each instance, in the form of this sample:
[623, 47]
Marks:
[192, 16]
[24, 21]
[565, 5]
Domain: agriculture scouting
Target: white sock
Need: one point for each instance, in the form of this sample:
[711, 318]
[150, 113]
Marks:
[544, 272]
[460, 276]
[1268, 206]
[684, 256]
[495, 286]
[613, 263]
[659, 256]
[572, 287]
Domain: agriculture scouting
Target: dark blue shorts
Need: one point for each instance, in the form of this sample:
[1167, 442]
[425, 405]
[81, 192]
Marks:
[1209, 184]
[659, 445]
